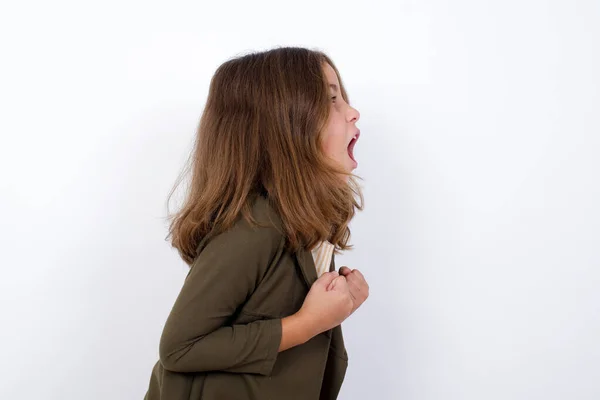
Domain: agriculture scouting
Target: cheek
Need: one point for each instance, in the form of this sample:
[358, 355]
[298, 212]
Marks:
[328, 145]
[334, 142]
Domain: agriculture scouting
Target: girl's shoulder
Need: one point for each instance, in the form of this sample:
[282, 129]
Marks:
[265, 229]
[264, 213]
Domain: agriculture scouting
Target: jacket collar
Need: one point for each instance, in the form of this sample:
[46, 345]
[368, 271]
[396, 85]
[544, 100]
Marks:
[307, 267]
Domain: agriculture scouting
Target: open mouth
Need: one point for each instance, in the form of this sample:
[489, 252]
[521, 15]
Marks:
[351, 148]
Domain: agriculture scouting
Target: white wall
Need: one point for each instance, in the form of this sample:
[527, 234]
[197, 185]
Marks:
[479, 149]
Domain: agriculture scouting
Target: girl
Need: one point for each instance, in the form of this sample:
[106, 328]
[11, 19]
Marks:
[271, 196]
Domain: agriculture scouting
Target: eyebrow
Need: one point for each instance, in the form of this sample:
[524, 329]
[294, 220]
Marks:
[333, 86]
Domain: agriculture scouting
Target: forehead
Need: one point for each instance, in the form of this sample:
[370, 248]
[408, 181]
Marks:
[331, 75]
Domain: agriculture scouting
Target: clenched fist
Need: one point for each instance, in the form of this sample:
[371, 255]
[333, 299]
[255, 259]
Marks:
[328, 303]
[359, 288]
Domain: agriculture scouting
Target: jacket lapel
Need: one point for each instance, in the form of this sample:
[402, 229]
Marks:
[306, 263]
[332, 266]
[307, 266]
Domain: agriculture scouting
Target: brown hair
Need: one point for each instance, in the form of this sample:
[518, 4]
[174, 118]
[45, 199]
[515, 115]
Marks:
[260, 133]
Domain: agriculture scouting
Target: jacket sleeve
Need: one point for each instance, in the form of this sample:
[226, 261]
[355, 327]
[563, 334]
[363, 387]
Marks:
[197, 336]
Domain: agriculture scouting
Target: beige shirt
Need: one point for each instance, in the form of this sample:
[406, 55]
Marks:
[322, 256]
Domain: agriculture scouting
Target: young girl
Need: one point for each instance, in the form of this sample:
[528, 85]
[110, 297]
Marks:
[269, 203]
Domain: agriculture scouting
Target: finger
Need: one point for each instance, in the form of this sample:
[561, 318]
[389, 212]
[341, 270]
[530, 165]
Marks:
[354, 298]
[336, 282]
[339, 283]
[356, 280]
[358, 287]
[354, 284]
[331, 285]
[358, 294]
[345, 271]
[327, 278]
[340, 280]
[358, 275]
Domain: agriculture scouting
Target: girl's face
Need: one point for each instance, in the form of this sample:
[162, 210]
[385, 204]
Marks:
[341, 133]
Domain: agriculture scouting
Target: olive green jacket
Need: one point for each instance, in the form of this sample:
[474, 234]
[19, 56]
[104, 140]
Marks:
[221, 339]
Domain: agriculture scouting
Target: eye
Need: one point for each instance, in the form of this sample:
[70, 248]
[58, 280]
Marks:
[333, 98]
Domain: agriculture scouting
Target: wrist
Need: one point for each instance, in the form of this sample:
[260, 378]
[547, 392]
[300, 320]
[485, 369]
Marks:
[308, 326]
[293, 332]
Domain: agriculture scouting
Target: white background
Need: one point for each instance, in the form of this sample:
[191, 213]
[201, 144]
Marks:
[480, 156]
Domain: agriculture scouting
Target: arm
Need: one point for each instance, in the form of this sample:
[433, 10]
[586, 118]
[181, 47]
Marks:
[295, 331]
[196, 336]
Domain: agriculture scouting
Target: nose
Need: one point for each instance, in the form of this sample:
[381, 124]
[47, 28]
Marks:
[353, 114]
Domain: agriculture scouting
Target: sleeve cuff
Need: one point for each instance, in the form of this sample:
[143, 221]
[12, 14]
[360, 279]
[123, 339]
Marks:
[274, 329]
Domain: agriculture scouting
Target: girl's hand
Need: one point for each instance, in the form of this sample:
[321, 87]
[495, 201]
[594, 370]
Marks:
[327, 304]
[359, 288]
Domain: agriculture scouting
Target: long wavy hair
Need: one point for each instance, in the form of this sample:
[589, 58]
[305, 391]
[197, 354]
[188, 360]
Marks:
[261, 133]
